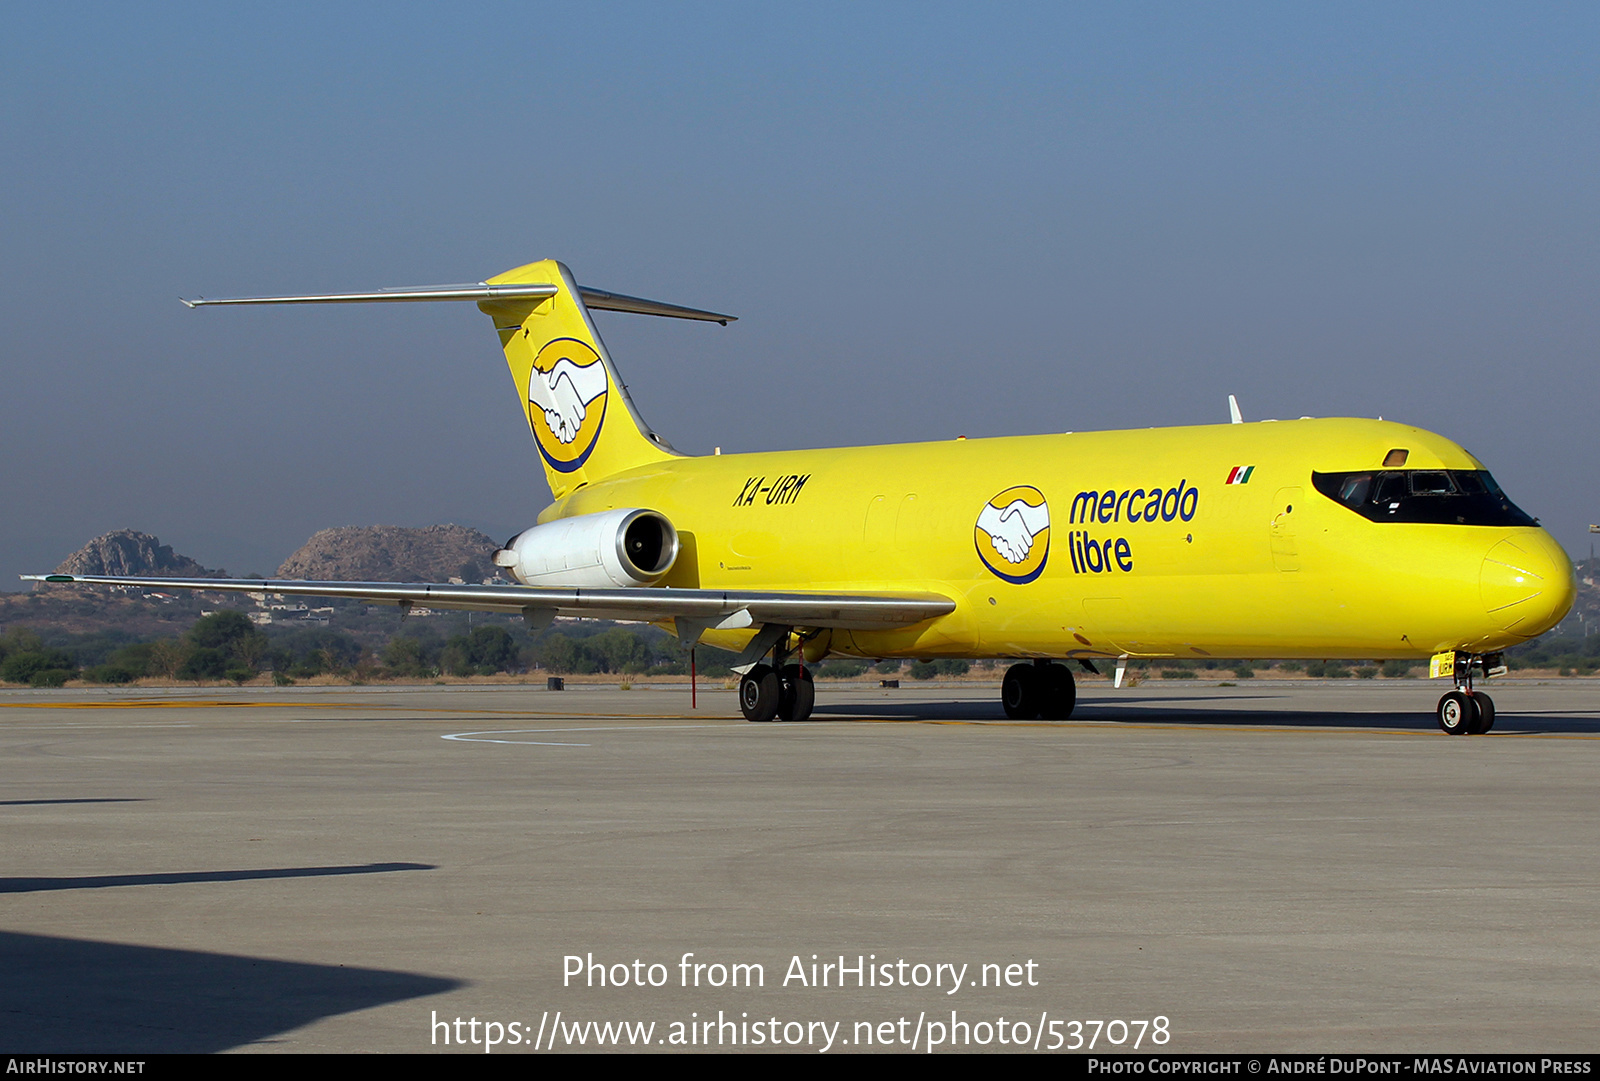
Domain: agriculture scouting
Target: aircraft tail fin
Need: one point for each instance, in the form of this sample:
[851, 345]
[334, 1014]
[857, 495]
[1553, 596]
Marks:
[577, 407]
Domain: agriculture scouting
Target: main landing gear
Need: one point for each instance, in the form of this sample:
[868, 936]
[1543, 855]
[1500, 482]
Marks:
[786, 693]
[1042, 689]
[779, 690]
[1464, 711]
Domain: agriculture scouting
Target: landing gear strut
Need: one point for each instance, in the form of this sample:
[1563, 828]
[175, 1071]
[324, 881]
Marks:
[1043, 689]
[1464, 711]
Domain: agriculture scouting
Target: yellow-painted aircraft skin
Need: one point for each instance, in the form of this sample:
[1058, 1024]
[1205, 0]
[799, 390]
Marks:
[1313, 538]
[1266, 568]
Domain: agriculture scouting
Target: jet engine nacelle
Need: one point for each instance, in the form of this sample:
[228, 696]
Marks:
[614, 549]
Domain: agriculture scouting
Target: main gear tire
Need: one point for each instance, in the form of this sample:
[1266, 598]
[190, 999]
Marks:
[797, 693]
[1059, 692]
[759, 693]
[1020, 692]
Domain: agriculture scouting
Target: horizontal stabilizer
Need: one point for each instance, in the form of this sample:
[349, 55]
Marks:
[594, 299]
[602, 301]
[852, 611]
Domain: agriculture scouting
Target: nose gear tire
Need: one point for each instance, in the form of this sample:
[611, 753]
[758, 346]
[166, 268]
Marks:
[1458, 713]
[1485, 706]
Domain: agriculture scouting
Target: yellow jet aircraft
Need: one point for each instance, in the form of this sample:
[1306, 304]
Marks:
[1314, 538]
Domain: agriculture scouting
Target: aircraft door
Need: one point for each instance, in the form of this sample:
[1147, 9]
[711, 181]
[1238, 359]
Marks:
[875, 529]
[909, 535]
[1285, 549]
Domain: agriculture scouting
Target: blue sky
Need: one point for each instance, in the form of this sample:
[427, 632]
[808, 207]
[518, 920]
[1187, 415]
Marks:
[932, 220]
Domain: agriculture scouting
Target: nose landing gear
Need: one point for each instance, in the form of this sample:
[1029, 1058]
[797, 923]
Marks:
[1464, 711]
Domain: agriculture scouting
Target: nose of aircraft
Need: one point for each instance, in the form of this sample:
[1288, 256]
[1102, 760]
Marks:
[1527, 583]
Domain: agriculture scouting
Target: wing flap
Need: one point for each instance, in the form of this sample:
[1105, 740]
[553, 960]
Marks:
[846, 611]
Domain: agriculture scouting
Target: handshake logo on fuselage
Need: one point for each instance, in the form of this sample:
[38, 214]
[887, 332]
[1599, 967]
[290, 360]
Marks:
[1012, 534]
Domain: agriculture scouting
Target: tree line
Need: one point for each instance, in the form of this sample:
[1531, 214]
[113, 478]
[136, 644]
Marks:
[226, 645]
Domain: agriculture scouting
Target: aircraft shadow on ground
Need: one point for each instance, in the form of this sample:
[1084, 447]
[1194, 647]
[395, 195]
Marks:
[70, 996]
[1180, 711]
[95, 882]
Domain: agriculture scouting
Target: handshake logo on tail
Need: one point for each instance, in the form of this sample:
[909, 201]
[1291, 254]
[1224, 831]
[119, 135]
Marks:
[564, 393]
[566, 401]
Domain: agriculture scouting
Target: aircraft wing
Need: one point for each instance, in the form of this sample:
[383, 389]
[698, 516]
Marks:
[724, 609]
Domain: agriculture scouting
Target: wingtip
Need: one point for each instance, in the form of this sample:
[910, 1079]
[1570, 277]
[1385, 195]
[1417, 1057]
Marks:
[189, 303]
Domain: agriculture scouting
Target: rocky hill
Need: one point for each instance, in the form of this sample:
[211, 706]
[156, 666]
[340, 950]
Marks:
[394, 554]
[125, 551]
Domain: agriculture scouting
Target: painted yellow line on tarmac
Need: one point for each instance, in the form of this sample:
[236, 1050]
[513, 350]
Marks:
[167, 703]
[444, 714]
[199, 703]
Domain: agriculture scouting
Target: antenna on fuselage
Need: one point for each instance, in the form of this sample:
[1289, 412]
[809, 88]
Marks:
[1234, 416]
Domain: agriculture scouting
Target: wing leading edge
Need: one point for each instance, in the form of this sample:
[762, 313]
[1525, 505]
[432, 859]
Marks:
[723, 609]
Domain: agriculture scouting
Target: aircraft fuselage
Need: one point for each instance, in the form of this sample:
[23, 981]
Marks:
[1188, 542]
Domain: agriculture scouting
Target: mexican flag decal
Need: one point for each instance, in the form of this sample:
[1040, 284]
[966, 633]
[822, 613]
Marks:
[1240, 474]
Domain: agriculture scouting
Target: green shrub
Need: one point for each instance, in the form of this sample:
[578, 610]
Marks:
[109, 673]
[841, 670]
[202, 663]
[21, 667]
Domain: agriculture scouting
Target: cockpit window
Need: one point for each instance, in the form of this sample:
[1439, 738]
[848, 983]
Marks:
[1392, 487]
[1440, 496]
[1354, 488]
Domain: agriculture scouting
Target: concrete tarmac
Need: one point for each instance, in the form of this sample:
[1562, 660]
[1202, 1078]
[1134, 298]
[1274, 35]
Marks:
[1270, 867]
